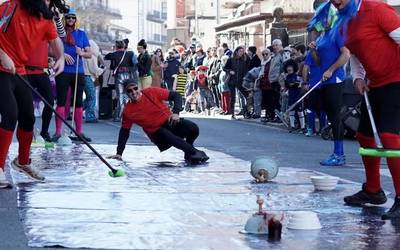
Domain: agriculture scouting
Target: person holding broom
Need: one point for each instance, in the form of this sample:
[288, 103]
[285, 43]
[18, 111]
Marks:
[372, 34]
[164, 127]
[77, 47]
[16, 104]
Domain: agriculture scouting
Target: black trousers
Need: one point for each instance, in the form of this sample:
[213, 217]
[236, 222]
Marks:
[66, 80]
[181, 136]
[42, 84]
[276, 95]
[267, 103]
[16, 103]
[216, 95]
[332, 102]
[385, 105]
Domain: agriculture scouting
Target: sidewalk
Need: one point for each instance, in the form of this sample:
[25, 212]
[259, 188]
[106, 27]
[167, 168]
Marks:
[162, 203]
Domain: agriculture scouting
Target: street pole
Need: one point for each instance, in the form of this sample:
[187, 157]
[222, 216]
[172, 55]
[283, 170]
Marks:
[218, 12]
[196, 19]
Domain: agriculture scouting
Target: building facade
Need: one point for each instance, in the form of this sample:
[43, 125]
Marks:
[191, 20]
[152, 17]
[258, 22]
[95, 17]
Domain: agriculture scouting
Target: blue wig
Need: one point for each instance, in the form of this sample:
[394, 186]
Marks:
[320, 18]
[344, 17]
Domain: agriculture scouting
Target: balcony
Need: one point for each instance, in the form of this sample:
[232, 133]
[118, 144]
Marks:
[158, 40]
[156, 16]
[97, 8]
[232, 4]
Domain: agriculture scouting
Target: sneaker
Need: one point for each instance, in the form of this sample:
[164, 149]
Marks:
[334, 160]
[92, 121]
[46, 137]
[363, 197]
[199, 157]
[3, 181]
[75, 138]
[55, 138]
[293, 130]
[309, 132]
[28, 170]
[394, 212]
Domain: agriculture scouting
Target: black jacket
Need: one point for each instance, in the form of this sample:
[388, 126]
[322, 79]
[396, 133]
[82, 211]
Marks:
[144, 64]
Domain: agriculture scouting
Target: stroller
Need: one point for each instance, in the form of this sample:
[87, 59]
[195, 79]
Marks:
[350, 112]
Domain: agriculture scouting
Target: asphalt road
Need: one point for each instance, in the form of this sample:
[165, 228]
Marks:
[241, 139]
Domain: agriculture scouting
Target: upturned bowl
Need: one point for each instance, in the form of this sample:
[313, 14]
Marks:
[324, 183]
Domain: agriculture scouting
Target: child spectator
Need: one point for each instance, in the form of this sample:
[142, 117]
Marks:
[293, 85]
[190, 93]
[180, 81]
[224, 88]
[201, 83]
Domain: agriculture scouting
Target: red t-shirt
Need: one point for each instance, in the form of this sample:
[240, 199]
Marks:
[368, 39]
[150, 116]
[24, 34]
[38, 59]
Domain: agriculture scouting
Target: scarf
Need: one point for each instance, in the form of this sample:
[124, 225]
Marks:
[201, 78]
[69, 38]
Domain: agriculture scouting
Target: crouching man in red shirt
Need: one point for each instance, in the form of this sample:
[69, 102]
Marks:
[164, 127]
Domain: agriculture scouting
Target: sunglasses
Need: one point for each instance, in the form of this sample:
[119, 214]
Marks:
[265, 54]
[71, 17]
[130, 90]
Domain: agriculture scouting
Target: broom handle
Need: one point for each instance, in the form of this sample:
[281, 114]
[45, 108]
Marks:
[304, 96]
[371, 118]
[76, 86]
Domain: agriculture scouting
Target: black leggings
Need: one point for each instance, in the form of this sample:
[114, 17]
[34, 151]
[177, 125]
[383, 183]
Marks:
[332, 101]
[181, 136]
[385, 105]
[42, 84]
[16, 103]
[66, 80]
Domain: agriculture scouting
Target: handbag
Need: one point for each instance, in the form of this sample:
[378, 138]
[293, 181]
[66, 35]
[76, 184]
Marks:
[119, 64]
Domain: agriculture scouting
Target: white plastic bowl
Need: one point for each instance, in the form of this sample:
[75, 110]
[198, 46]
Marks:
[304, 220]
[324, 183]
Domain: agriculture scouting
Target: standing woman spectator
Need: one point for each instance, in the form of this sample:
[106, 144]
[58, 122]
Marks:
[237, 68]
[16, 104]
[76, 46]
[213, 75]
[224, 87]
[157, 66]
[332, 55]
[121, 65]
[144, 65]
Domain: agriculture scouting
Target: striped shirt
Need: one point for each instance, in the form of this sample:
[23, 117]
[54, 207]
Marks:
[181, 83]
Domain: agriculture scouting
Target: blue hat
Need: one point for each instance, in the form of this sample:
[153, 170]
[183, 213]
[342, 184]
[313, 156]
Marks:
[71, 12]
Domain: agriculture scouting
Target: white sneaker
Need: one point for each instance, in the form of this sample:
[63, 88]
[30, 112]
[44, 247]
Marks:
[3, 181]
[28, 170]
